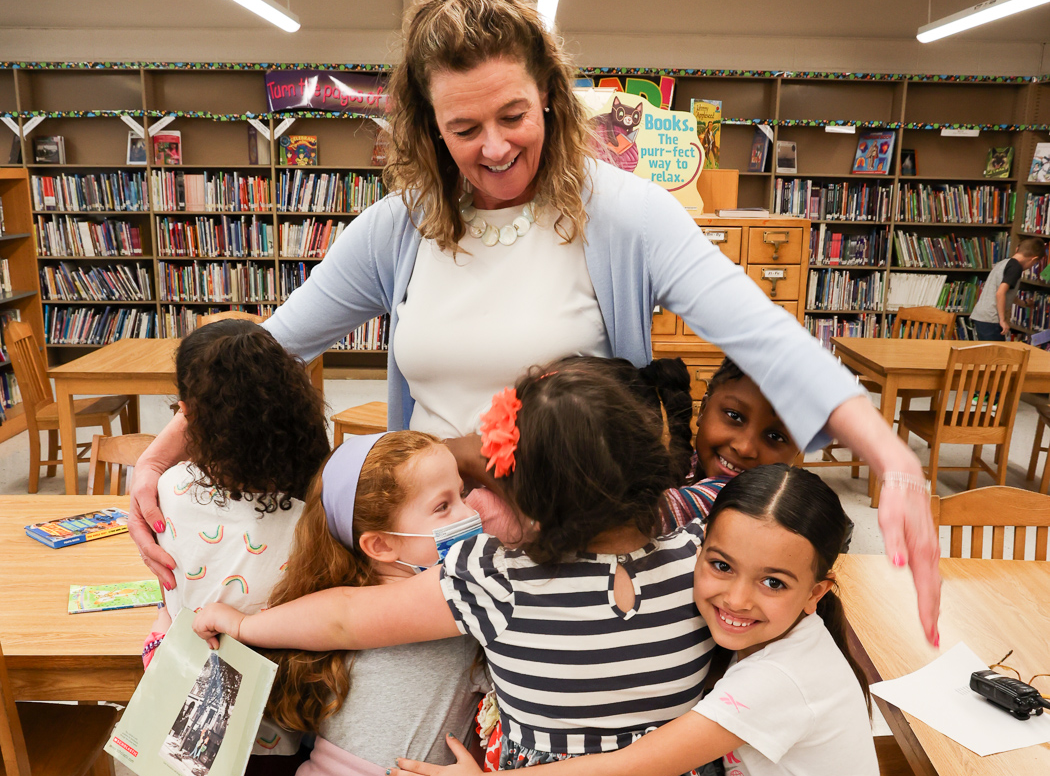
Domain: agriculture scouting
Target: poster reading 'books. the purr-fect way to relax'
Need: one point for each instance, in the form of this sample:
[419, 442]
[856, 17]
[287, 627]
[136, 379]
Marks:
[659, 145]
[196, 711]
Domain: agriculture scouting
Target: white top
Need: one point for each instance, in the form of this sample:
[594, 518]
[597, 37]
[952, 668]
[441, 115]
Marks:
[798, 705]
[231, 554]
[523, 304]
[574, 674]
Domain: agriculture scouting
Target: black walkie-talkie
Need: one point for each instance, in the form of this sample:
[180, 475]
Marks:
[1020, 699]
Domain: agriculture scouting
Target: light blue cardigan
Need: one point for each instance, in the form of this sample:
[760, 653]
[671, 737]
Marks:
[642, 250]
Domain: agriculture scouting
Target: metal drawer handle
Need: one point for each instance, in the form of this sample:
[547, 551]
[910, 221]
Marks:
[776, 239]
[773, 276]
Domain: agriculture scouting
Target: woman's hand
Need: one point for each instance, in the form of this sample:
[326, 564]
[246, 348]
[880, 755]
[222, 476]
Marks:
[145, 516]
[465, 764]
[214, 619]
[904, 515]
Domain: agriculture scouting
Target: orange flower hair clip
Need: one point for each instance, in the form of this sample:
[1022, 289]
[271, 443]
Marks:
[499, 432]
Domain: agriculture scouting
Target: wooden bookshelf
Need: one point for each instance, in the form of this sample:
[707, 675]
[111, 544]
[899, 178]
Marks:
[787, 101]
[18, 248]
[98, 145]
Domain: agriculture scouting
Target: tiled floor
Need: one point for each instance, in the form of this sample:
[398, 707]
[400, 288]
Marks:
[341, 394]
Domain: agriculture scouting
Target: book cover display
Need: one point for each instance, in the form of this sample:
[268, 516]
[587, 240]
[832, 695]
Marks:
[49, 150]
[874, 153]
[1000, 161]
[167, 147]
[136, 149]
[661, 146]
[78, 529]
[299, 150]
[196, 711]
[120, 595]
[787, 157]
[1040, 170]
[909, 162]
[708, 114]
[760, 146]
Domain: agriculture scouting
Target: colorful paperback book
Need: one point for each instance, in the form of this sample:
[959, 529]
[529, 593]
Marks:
[120, 595]
[874, 153]
[299, 150]
[49, 150]
[77, 529]
[195, 711]
[760, 145]
[1000, 160]
[1040, 171]
[167, 147]
[708, 114]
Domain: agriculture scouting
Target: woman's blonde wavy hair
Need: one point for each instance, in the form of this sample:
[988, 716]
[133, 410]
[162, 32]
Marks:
[456, 36]
[311, 686]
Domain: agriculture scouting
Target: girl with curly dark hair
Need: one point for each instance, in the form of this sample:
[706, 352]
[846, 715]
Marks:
[257, 437]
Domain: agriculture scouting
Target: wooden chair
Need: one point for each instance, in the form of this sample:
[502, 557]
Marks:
[910, 323]
[50, 739]
[315, 368]
[42, 411]
[115, 453]
[364, 419]
[1039, 447]
[976, 405]
[998, 508]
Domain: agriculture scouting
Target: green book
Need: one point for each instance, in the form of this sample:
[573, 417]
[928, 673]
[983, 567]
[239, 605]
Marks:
[120, 595]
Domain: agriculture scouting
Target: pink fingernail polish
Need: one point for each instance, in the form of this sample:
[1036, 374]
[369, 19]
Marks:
[158, 527]
[898, 560]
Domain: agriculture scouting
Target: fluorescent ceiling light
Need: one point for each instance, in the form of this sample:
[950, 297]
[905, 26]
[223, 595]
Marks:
[547, 9]
[272, 13]
[982, 13]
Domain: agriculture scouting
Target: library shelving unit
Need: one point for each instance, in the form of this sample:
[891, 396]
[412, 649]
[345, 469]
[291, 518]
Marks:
[144, 250]
[164, 286]
[22, 300]
[866, 235]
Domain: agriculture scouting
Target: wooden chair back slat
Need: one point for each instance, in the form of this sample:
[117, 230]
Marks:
[923, 323]
[997, 507]
[115, 453]
[29, 368]
[15, 757]
[981, 390]
[1020, 541]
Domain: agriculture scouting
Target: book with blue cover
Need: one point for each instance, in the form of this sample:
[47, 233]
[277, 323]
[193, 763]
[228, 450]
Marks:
[64, 531]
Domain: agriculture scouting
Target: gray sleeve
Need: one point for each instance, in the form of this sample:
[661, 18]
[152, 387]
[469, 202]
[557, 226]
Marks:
[801, 379]
[352, 285]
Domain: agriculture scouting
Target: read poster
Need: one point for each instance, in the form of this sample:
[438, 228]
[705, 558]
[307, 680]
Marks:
[659, 145]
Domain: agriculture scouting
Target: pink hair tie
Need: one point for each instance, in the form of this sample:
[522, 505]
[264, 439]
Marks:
[499, 432]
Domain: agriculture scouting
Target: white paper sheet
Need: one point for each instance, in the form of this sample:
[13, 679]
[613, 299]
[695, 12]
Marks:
[940, 696]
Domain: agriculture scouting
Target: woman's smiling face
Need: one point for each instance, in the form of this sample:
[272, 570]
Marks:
[491, 119]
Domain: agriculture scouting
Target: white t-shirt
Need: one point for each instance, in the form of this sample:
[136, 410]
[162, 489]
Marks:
[490, 314]
[798, 705]
[231, 554]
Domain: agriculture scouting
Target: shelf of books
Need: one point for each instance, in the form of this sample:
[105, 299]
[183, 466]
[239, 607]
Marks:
[181, 206]
[19, 293]
[159, 193]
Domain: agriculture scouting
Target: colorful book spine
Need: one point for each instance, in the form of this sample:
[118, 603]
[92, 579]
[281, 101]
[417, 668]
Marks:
[115, 191]
[955, 204]
[65, 325]
[211, 237]
[61, 236]
[220, 281]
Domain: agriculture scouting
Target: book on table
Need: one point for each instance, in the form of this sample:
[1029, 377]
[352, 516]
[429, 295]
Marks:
[119, 595]
[77, 529]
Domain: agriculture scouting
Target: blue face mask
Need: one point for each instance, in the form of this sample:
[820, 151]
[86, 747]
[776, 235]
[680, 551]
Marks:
[444, 537]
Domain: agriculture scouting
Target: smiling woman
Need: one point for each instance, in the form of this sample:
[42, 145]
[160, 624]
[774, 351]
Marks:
[505, 244]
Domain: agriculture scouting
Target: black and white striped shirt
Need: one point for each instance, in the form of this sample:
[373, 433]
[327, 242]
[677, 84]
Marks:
[573, 673]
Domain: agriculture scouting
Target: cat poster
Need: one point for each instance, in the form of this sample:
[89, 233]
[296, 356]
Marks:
[708, 114]
[661, 146]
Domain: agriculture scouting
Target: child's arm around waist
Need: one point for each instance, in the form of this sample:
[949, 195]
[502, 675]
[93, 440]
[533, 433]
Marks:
[341, 618]
[682, 744]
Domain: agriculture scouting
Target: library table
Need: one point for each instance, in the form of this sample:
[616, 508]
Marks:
[992, 605]
[128, 366]
[50, 654]
[897, 364]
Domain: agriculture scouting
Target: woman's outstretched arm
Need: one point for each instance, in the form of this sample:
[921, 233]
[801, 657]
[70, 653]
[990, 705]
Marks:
[340, 618]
